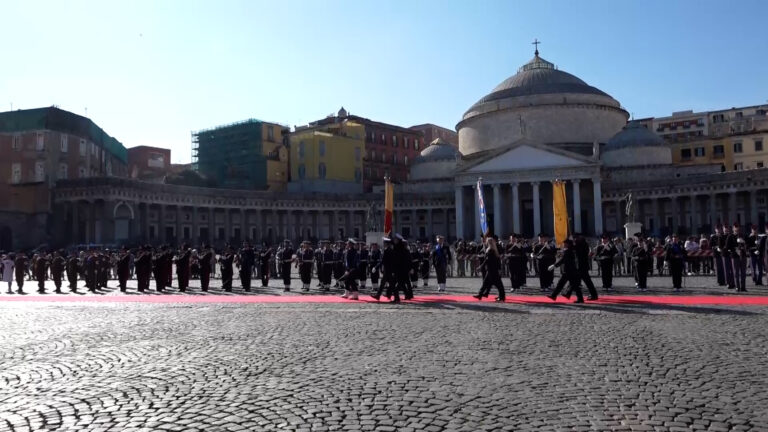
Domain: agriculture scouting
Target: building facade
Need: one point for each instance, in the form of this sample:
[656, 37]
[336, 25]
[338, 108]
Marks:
[432, 132]
[149, 163]
[327, 158]
[40, 147]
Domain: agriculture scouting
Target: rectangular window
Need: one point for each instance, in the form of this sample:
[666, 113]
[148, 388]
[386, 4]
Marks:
[358, 175]
[759, 165]
[16, 172]
[64, 143]
[758, 145]
[321, 149]
[405, 142]
[83, 148]
[40, 171]
[63, 171]
[93, 149]
[685, 154]
[357, 154]
[737, 148]
[40, 143]
[17, 142]
[394, 140]
[718, 150]
[82, 172]
[738, 167]
[270, 133]
[383, 139]
[700, 152]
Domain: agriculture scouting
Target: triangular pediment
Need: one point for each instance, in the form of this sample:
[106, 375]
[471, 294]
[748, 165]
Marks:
[526, 157]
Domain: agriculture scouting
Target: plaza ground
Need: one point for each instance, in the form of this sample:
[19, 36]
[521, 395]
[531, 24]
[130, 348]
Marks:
[429, 366]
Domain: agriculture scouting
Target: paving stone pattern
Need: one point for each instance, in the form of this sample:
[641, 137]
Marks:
[434, 367]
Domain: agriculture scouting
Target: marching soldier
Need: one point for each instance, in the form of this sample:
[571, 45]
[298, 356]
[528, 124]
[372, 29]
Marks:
[265, 264]
[362, 272]
[156, 263]
[246, 259]
[41, 271]
[570, 275]
[755, 255]
[124, 269]
[305, 260]
[73, 268]
[351, 265]
[143, 266]
[461, 253]
[226, 261]
[604, 255]
[544, 254]
[90, 271]
[387, 267]
[338, 266]
[20, 266]
[727, 258]
[515, 258]
[205, 267]
[374, 261]
[182, 267]
[581, 248]
[285, 257]
[641, 259]
[736, 247]
[674, 254]
[492, 276]
[57, 270]
[319, 264]
[425, 264]
[327, 264]
[441, 256]
[415, 264]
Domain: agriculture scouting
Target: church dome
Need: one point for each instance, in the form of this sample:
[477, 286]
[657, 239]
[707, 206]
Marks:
[437, 150]
[635, 145]
[542, 104]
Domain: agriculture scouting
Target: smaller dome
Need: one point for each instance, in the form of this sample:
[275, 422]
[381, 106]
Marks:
[437, 150]
[342, 112]
[634, 134]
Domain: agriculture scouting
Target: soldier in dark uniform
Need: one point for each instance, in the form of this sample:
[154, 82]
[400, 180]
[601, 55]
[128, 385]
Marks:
[327, 265]
[206, 258]
[515, 260]
[41, 272]
[492, 275]
[425, 264]
[73, 267]
[674, 254]
[582, 259]
[441, 256]
[351, 264]
[374, 262]
[226, 261]
[319, 264]
[755, 256]
[604, 255]
[387, 268]
[124, 269]
[415, 264]
[544, 256]
[727, 258]
[90, 271]
[570, 275]
[362, 272]
[641, 259]
[265, 258]
[246, 259]
[182, 267]
[144, 266]
[737, 249]
[155, 262]
[305, 260]
[285, 257]
[403, 267]
[20, 267]
[57, 270]
[461, 264]
[102, 270]
[338, 266]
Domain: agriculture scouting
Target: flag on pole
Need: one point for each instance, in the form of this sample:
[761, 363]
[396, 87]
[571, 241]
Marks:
[389, 205]
[560, 211]
[481, 208]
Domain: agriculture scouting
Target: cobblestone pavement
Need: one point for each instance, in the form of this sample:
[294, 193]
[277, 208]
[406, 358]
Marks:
[431, 367]
[693, 285]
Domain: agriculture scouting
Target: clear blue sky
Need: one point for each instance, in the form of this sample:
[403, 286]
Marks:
[150, 72]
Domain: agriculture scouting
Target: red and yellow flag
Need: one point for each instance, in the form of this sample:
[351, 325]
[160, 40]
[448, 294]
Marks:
[389, 205]
[560, 211]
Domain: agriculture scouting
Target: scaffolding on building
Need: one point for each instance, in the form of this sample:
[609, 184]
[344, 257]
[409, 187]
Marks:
[232, 155]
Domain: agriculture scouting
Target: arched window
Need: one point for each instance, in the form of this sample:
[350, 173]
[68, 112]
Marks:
[394, 140]
[405, 142]
[416, 144]
[405, 160]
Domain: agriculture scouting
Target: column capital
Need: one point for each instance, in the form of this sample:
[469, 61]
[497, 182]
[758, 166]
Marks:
[535, 183]
[495, 185]
[514, 185]
[576, 181]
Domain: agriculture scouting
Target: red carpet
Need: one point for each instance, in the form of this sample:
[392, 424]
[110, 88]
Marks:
[624, 300]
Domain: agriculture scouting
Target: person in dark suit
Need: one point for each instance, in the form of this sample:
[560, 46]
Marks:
[642, 259]
[674, 254]
[306, 257]
[58, 265]
[492, 274]
[73, 268]
[205, 266]
[571, 276]
[182, 267]
[544, 254]
[351, 265]
[581, 248]
[124, 268]
[604, 254]
[226, 261]
[246, 259]
[737, 249]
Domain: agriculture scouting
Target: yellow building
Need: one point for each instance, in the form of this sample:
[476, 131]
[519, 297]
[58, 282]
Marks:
[274, 148]
[703, 151]
[327, 158]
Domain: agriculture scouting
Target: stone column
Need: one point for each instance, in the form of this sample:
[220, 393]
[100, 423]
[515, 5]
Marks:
[334, 216]
[536, 209]
[515, 208]
[459, 208]
[161, 223]
[350, 224]
[195, 230]
[713, 210]
[478, 231]
[695, 222]
[497, 229]
[259, 224]
[673, 209]
[211, 225]
[244, 234]
[179, 238]
[731, 207]
[447, 226]
[315, 215]
[753, 208]
[75, 223]
[430, 227]
[598, 206]
[414, 224]
[576, 205]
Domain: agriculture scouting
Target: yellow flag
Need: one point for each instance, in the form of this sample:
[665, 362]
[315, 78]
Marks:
[560, 211]
[389, 205]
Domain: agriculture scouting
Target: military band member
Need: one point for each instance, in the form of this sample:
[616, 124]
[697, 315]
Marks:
[41, 271]
[544, 253]
[73, 268]
[604, 255]
[441, 256]
[124, 269]
[157, 266]
[205, 266]
[265, 264]
[226, 261]
[362, 272]
[755, 255]
[568, 262]
[737, 249]
[461, 264]
[674, 254]
[143, 265]
[338, 266]
[182, 267]
[351, 266]
[57, 270]
[492, 276]
[305, 260]
[425, 264]
[374, 262]
[328, 264]
[641, 260]
[727, 258]
[20, 267]
[319, 264]
[515, 260]
[285, 258]
[246, 259]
